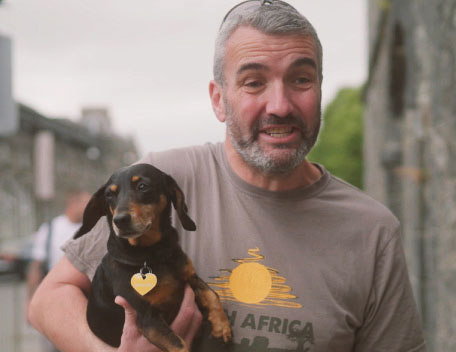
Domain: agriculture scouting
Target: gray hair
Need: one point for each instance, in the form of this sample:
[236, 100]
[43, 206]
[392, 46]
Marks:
[275, 18]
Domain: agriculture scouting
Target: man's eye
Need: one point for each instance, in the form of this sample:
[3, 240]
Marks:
[253, 84]
[302, 80]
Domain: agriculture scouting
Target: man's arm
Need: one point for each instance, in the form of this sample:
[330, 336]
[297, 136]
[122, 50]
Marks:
[58, 310]
[34, 277]
[35, 271]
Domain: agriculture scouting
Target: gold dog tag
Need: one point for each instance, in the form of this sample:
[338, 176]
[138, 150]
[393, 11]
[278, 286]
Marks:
[143, 283]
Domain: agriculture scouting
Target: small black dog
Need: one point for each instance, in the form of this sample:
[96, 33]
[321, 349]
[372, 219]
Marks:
[144, 263]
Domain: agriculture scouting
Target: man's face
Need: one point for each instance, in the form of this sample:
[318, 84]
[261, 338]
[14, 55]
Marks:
[271, 98]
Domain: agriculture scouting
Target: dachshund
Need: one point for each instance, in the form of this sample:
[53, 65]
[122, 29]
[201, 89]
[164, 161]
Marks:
[144, 262]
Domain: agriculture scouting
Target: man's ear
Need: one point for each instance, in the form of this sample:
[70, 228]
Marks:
[216, 94]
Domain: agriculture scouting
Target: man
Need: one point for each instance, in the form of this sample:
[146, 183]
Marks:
[301, 260]
[51, 236]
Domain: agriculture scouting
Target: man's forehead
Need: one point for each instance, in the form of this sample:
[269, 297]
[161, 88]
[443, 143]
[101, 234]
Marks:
[248, 47]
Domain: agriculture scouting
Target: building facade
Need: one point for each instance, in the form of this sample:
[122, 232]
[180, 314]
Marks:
[410, 146]
[39, 163]
[45, 158]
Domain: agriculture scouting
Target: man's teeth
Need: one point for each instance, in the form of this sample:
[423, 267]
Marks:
[279, 132]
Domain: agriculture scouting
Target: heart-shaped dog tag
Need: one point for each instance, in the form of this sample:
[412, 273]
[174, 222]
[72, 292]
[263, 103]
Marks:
[143, 283]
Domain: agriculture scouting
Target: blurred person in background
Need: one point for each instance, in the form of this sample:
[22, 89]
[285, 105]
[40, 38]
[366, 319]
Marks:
[50, 237]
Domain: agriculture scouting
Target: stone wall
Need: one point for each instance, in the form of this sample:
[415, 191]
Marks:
[410, 146]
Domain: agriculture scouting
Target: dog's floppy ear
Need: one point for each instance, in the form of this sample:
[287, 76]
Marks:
[95, 209]
[178, 200]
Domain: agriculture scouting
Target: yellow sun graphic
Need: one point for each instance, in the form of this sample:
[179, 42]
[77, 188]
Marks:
[253, 283]
[250, 282]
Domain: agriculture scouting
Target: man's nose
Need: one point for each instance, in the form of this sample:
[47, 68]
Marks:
[278, 101]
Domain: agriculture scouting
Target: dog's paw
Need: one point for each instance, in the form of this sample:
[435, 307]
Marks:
[221, 329]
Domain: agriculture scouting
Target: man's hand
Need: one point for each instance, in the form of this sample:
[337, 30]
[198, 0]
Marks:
[186, 324]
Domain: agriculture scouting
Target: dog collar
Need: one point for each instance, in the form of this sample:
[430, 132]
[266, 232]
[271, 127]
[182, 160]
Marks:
[125, 254]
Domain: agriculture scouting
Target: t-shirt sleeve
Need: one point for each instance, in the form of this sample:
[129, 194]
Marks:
[392, 322]
[175, 162]
[86, 252]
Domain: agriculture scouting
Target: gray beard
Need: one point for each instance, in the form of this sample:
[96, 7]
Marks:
[252, 154]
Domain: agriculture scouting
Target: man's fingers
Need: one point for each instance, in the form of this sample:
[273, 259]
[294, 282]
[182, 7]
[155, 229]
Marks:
[188, 304]
[186, 324]
[192, 312]
[132, 339]
[194, 326]
[123, 302]
[130, 314]
[189, 318]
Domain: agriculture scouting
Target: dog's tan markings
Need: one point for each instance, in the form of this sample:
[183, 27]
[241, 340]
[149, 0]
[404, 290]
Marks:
[163, 292]
[220, 324]
[113, 188]
[135, 178]
[207, 298]
[136, 211]
[112, 211]
[147, 216]
[166, 342]
[189, 270]
[133, 242]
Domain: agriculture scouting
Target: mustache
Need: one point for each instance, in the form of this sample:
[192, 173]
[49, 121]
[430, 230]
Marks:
[268, 120]
[272, 119]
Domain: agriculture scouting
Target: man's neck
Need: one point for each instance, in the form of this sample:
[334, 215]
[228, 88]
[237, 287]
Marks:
[304, 175]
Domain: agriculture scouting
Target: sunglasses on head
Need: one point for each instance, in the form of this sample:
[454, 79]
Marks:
[250, 4]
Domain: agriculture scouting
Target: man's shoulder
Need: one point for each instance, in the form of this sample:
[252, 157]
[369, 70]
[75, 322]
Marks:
[187, 155]
[360, 204]
[187, 163]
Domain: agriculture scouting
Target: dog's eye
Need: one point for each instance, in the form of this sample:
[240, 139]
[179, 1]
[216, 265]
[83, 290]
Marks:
[142, 187]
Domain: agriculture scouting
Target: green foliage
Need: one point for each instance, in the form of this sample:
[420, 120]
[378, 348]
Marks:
[340, 144]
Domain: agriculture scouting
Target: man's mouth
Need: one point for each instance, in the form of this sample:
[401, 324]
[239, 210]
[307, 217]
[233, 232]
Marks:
[279, 132]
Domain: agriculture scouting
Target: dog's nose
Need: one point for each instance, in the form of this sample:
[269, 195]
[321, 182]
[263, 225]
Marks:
[122, 219]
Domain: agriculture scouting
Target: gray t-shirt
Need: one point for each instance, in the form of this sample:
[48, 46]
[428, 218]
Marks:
[315, 269]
